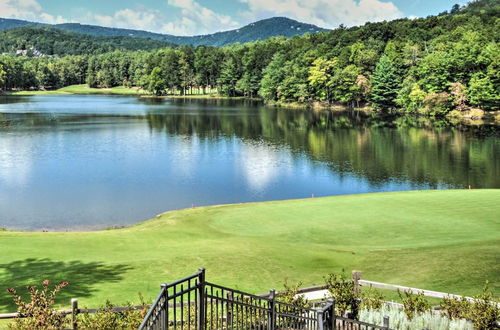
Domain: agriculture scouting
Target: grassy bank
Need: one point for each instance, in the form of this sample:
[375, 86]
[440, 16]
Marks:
[120, 90]
[440, 240]
[84, 90]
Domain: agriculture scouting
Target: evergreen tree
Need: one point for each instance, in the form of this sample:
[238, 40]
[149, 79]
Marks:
[385, 85]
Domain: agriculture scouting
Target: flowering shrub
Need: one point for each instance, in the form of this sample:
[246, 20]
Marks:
[37, 313]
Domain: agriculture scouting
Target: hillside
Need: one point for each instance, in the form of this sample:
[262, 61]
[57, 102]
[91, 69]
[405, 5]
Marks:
[51, 41]
[261, 30]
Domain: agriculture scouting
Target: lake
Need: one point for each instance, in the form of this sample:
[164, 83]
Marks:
[93, 162]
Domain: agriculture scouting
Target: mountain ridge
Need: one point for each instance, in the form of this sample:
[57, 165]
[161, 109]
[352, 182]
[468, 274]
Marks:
[259, 30]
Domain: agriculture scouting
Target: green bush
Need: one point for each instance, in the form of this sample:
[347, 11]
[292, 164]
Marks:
[343, 291]
[371, 299]
[483, 310]
[414, 304]
[436, 104]
[106, 318]
[290, 295]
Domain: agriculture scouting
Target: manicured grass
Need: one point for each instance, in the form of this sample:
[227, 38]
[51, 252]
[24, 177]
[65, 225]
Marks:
[84, 89]
[439, 240]
[120, 90]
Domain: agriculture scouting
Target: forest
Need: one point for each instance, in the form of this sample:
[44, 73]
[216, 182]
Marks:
[433, 65]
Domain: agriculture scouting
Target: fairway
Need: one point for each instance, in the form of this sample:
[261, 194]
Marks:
[438, 240]
[84, 90]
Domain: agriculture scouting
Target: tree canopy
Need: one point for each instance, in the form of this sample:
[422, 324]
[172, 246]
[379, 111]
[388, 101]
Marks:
[407, 65]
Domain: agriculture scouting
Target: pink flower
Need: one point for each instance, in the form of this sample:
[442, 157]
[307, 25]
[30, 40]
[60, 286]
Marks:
[63, 284]
[46, 282]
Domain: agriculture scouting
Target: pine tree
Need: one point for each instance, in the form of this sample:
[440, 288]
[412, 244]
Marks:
[385, 85]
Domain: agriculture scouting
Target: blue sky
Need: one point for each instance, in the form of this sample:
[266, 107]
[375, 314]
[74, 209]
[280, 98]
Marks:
[190, 17]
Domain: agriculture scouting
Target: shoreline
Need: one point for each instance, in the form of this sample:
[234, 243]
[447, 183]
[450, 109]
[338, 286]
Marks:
[470, 117]
[243, 204]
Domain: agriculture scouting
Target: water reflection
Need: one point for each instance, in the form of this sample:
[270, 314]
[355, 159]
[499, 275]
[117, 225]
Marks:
[406, 148]
[88, 162]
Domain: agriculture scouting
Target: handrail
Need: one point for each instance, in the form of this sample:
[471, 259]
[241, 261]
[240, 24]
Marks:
[151, 309]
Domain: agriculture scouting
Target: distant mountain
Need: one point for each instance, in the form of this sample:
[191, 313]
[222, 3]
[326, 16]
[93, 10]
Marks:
[264, 29]
[9, 23]
[38, 40]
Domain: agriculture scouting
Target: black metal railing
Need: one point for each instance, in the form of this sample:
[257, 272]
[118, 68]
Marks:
[178, 305]
[194, 303]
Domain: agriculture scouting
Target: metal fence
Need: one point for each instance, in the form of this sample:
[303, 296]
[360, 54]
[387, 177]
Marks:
[194, 303]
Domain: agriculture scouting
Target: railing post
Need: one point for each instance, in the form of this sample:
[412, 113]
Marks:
[333, 319]
[272, 310]
[201, 300]
[356, 276]
[229, 310]
[164, 309]
[74, 313]
[386, 322]
[320, 320]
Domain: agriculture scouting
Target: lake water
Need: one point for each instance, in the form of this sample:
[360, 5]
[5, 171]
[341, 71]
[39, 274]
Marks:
[91, 162]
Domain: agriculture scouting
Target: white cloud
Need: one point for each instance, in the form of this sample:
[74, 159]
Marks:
[193, 19]
[324, 13]
[140, 19]
[196, 19]
[27, 10]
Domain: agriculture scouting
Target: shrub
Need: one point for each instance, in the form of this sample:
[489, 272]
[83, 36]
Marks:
[483, 310]
[436, 104]
[455, 308]
[291, 295]
[371, 299]
[38, 312]
[106, 318]
[343, 291]
[414, 303]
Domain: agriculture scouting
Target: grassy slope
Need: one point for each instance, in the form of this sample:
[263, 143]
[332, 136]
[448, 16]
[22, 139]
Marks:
[440, 240]
[84, 89]
[120, 90]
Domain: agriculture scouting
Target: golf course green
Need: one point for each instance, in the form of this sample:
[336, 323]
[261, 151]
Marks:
[438, 240]
[83, 90]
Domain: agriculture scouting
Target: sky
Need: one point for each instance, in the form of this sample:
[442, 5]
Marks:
[193, 17]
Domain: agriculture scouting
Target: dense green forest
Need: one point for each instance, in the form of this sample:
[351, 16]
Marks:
[428, 65]
[52, 41]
